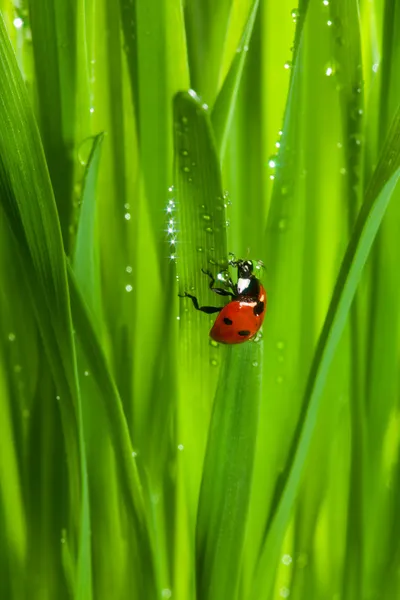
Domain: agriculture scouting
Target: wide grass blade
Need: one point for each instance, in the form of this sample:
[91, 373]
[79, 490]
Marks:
[30, 210]
[227, 473]
[376, 201]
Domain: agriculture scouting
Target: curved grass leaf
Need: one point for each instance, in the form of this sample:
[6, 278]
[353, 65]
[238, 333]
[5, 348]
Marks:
[227, 474]
[225, 102]
[30, 210]
[86, 258]
[376, 202]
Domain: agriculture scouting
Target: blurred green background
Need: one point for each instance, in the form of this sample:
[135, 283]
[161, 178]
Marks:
[141, 141]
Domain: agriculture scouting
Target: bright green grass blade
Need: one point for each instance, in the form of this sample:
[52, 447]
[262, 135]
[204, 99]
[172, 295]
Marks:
[377, 199]
[86, 258]
[227, 473]
[29, 207]
[225, 102]
[117, 428]
[201, 245]
[151, 48]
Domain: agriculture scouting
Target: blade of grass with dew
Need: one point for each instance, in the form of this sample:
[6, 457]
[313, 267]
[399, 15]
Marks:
[227, 473]
[202, 245]
[85, 262]
[292, 239]
[149, 46]
[117, 428]
[30, 210]
[225, 102]
[376, 201]
[347, 55]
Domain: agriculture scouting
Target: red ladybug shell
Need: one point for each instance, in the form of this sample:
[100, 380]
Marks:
[237, 323]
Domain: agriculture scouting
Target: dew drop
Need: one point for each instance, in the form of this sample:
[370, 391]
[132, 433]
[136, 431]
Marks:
[213, 343]
[84, 151]
[206, 217]
[11, 337]
[214, 362]
[127, 216]
[181, 447]
[166, 593]
[325, 2]
[128, 288]
[284, 592]
[184, 120]
[134, 454]
[272, 161]
[128, 269]
[184, 152]
[329, 71]
[86, 373]
[186, 169]
[200, 249]
[171, 188]
[57, 398]
[295, 14]
[286, 559]
[288, 64]
[280, 345]
[18, 23]
[208, 230]
[375, 67]
[329, 23]
[254, 363]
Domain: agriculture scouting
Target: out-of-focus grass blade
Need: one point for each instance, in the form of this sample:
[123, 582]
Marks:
[119, 432]
[225, 102]
[149, 46]
[54, 47]
[227, 474]
[376, 201]
[86, 258]
[30, 210]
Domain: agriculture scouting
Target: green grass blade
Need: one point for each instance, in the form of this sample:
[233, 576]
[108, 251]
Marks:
[224, 106]
[86, 258]
[227, 474]
[377, 199]
[28, 203]
[53, 39]
[201, 245]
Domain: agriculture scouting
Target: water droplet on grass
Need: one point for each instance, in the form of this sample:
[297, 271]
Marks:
[84, 151]
[11, 337]
[288, 65]
[295, 14]
[213, 343]
[214, 362]
[207, 217]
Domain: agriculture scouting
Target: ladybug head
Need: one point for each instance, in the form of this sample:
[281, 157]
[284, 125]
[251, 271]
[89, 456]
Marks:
[245, 269]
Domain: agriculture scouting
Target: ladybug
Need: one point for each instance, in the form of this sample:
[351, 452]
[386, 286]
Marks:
[240, 319]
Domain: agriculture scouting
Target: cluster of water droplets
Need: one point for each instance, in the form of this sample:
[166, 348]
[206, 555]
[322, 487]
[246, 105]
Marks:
[171, 226]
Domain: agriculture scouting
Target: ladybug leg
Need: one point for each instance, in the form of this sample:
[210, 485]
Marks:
[216, 290]
[206, 309]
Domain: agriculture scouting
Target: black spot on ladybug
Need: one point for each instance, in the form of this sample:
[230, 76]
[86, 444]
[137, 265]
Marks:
[244, 332]
[258, 309]
[227, 321]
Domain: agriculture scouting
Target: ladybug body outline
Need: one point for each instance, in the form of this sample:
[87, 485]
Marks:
[241, 318]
